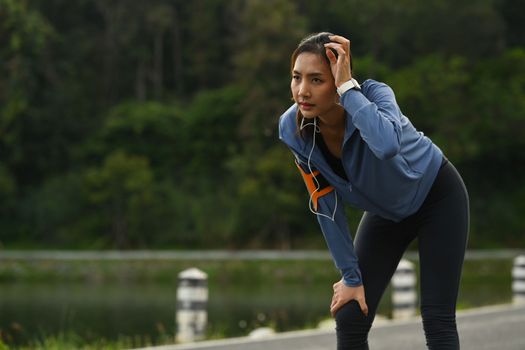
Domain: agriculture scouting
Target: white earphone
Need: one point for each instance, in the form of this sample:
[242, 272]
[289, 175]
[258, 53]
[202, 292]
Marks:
[318, 186]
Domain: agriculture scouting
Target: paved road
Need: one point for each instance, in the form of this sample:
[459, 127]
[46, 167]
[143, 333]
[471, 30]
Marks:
[496, 327]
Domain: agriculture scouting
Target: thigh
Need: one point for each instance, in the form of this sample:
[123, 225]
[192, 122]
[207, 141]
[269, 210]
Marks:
[442, 240]
[379, 245]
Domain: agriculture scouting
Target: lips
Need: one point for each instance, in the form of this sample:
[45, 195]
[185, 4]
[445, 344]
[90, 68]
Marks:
[305, 105]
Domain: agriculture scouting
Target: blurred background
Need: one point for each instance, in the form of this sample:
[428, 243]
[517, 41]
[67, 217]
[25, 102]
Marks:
[153, 125]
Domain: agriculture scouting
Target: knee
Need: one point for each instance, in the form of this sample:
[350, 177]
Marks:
[351, 314]
[440, 327]
[437, 317]
[352, 327]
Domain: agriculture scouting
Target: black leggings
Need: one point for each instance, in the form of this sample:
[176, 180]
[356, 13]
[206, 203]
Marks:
[441, 226]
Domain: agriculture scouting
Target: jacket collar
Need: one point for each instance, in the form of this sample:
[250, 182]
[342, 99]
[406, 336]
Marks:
[290, 135]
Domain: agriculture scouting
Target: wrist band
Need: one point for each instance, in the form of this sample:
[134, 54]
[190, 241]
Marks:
[350, 84]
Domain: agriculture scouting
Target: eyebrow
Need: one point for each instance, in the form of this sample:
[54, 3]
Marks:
[314, 74]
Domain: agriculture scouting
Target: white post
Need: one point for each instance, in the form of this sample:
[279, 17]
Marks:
[404, 296]
[518, 280]
[192, 299]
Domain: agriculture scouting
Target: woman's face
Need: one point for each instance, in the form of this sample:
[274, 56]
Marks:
[313, 86]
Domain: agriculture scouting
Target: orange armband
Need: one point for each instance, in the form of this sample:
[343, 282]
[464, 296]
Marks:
[316, 184]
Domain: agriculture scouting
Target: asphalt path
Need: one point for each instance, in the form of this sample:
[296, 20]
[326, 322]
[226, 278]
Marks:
[500, 327]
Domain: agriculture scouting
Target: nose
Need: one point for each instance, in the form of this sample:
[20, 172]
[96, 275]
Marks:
[304, 91]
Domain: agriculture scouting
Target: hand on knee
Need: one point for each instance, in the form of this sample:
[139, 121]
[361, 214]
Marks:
[343, 294]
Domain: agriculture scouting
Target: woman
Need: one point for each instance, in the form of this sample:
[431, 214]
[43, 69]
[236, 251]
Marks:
[353, 145]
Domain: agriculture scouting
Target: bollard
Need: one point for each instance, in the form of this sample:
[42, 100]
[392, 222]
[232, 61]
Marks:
[518, 280]
[192, 298]
[404, 297]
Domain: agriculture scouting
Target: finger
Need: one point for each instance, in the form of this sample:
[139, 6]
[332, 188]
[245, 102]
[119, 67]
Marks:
[333, 60]
[334, 301]
[339, 39]
[345, 44]
[333, 45]
[337, 47]
[335, 308]
[332, 306]
[363, 306]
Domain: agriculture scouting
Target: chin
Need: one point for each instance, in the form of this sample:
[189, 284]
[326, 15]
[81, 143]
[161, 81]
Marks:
[309, 114]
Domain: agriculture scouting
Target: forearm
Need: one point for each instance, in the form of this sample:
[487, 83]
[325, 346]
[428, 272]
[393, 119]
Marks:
[339, 241]
[378, 120]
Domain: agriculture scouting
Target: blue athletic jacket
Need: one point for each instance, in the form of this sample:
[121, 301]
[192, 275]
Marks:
[390, 167]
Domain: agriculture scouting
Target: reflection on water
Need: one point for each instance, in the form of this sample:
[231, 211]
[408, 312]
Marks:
[31, 310]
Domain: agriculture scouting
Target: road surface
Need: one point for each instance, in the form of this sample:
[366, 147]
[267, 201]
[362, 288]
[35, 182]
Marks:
[499, 327]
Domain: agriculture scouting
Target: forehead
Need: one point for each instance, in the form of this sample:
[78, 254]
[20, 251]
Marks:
[310, 62]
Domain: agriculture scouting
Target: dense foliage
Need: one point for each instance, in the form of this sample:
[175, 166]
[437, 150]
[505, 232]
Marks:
[153, 124]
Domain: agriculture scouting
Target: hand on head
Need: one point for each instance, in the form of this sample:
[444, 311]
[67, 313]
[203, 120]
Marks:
[339, 65]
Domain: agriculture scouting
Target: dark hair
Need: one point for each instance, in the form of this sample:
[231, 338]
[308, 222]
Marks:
[313, 43]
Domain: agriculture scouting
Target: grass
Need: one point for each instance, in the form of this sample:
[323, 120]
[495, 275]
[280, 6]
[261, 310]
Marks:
[75, 342]
[485, 282]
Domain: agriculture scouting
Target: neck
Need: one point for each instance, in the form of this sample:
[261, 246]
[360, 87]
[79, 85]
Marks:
[333, 120]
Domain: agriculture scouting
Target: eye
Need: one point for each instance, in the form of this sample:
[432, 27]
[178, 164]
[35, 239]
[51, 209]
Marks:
[296, 77]
[317, 80]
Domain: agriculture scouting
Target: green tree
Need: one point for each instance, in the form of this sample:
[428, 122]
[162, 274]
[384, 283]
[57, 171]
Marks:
[152, 130]
[56, 215]
[271, 207]
[183, 98]
[433, 93]
[23, 38]
[8, 204]
[122, 191]
[266, 33]
[210, 124]
[498, 101]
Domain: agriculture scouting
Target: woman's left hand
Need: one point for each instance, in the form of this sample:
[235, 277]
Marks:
[340, 66]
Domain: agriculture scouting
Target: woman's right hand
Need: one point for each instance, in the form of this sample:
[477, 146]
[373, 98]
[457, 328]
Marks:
[343, 294]
[339, 65]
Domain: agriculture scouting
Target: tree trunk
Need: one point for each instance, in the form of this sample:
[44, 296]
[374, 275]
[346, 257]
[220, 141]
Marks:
[140, 82]
[177, 56]
[157, 64]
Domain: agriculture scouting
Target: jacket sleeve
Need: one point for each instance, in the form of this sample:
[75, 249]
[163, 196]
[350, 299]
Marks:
[377, 116]
[330, 213]
[338, 239]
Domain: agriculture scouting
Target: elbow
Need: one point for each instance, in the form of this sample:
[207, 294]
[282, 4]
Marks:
[388, 143]
[390, 146]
